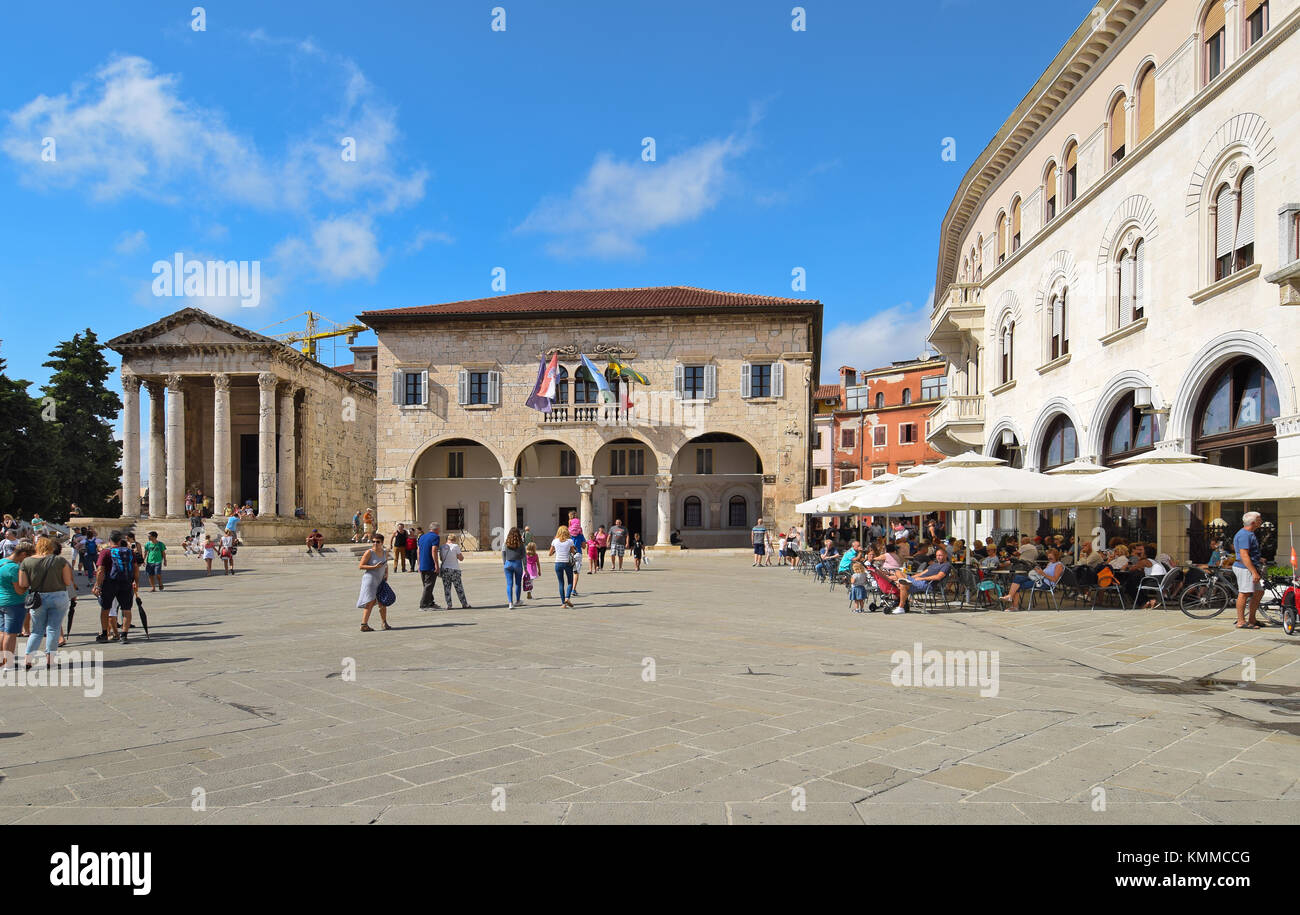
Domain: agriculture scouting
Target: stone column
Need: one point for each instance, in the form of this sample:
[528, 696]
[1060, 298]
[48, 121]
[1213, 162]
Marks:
[585, 485]
[508, 485]
[1231, 33]
[157, 450]
[410, 502]
[1288, 467]
[266, 382]
[286, 487]
[220, 442]
[130, 444]
[1086, 521]
[664, 482]
[175, 446]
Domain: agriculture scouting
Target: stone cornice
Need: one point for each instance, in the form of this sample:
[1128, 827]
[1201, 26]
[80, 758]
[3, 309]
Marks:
[272, 352]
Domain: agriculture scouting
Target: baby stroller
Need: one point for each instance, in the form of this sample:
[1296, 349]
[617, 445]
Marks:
[882, 592]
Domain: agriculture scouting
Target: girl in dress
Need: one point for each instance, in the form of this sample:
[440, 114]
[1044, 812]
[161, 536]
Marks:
[228, 552]
[593, 555]
[532, 568]
[209, 552]
[374, 572]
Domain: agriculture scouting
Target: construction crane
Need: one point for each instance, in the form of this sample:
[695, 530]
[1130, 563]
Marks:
[313, 333]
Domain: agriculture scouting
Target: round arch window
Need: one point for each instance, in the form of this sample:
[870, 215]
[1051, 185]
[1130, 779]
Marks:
[1234, 417]
[1129, 432]
[1060, 444]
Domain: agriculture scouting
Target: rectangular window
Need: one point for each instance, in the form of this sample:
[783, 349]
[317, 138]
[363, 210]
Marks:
[848, 438]
[414, 392]
[905, 465]
[1071, 184]
[456, 464]
[760, 379]
[857, 398]
[879, 470]
[819, 476]
[934, 387]
[693, 382]
[568, 462]
[907, 433]
[879, 437]
[1214, 52]
[704, 460]
[817, 440]
[692, 511]
[478, 387]
[1051, 208]
[626, 462]
[847, 477]
[455, 520]
[1256, 25]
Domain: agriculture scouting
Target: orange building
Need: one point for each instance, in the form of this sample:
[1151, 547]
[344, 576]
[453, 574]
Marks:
[882, 424]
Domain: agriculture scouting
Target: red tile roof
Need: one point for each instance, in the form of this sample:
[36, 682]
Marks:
[827, 392]
[345, 369]
[653, 299]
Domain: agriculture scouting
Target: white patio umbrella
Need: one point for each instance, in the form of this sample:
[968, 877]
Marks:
[1081, 466]
[983, 486]
[1172, 477]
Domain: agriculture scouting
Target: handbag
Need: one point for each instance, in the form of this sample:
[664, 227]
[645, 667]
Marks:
[32, 600]
[385, 595]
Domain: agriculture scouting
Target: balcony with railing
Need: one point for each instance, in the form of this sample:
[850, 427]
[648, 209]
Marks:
[957, 424]
[588, 415]
[959, 311]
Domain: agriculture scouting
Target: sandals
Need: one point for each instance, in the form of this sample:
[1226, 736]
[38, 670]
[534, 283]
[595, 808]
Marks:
[386, 626]
[366, 628]
[1247, 626]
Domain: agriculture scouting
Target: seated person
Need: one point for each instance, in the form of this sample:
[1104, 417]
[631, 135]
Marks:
[1028, 551]
[1218, 555]
[890, 561]
[828, 554]
[990, 561]
[1161, 566]
[930, 578]
[1119, 558]
[315, 539]
[1090, 557]
[979, 551]
[846, 561]
[1039, 581]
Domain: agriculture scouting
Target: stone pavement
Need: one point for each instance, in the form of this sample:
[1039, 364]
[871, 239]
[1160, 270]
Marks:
[769, 703]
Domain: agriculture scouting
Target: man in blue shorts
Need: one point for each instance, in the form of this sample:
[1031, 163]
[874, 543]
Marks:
[759, 537]
[931, 577]
[1249, 570]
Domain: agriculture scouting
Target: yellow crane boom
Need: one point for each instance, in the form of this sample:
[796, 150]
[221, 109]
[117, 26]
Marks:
[313, 332]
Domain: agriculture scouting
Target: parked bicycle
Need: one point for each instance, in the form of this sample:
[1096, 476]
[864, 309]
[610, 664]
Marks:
[1208, 598]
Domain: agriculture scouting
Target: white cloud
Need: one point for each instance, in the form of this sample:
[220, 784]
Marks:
[131, 242]
[339, 248]
[619, 203]
[425, 237]
[889, 335]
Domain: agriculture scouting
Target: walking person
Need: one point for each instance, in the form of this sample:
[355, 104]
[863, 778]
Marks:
[532, 567]
[49, 575]
[356, 527]
[638, 549]
[1249, 570]
[562, 548]
[602, 544]
[512, 558]
[155, 557]
[426, 554]
[368, 523]
[209, 552]
[617, 544]
[761, 540]
[449, 569]
[579, 539]
[13, 612]
[374, 572]
[228, 548]
[593, 554]
[399, 548]
[117, 579]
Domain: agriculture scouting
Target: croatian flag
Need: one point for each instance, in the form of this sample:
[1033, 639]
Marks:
[602, 383]
[544, 391]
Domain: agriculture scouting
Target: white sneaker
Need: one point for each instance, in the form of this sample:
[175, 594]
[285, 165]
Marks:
[896, 611]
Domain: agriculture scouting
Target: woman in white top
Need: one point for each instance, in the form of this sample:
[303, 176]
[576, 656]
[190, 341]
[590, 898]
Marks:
[562, 550]
[449, 570]
[228, 552]
[209, 552]
[374, 572]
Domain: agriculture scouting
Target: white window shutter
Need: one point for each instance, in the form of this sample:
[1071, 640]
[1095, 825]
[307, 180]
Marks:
[710, 381]
[1065, 315]
[462, 387]
[679, 381]
[1227, 216]
[398, 381]
[424, 388]
[1139, 275]
[1125, 288]
[494, 387]
[778, 379]
[1246, 223]
[744, 379]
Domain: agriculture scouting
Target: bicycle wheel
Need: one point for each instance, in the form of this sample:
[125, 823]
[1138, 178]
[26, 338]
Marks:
[1204, 600]
[1271, 609]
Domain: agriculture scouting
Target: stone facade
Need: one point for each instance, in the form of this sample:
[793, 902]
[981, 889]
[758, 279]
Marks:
[699, 458]
[241, 416]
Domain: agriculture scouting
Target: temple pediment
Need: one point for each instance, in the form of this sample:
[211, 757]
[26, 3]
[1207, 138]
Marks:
[190, 327]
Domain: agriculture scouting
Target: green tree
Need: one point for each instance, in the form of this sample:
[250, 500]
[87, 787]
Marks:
[86, 453]
[26, 476]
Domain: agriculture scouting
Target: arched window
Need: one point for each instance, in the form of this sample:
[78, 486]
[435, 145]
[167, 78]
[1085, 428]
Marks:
[692, 512]
[1256, 21]
[880, 401]
[1214, 41]
[907, 396]
[1130, 284]
[584, 387]
[1129, 432]
[1146, 102]
[1234, 226]
[1015, 226]
[1002, 237]
[1060, 445]
[1070, 180]
[1234, 419]
[1049, 192]
[1006, 349]
[737, 512]
[562, 385]
[1060, 342]
[1118, 122]
[1244, 247]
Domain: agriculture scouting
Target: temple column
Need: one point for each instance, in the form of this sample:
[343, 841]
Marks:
[508, 485]
[409, 490]
[664, 481]
[130, 444]
[220, 442]
[175, 446]
[286, 486]
[157, 449]
[266, 384]
[585, 485]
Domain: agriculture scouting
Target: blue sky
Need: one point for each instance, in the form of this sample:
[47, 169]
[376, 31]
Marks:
[477, 149]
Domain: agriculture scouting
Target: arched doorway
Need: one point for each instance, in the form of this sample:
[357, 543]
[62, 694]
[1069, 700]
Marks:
[1233, 427]
[1060, 446]
[1007, 448]
[547, 471]
[1129, 432]
[458, 485]
[717, 491]
[625, 470]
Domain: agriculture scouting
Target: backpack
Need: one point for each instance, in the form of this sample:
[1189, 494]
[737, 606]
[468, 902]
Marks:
[1105, 577]
[123, 564]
